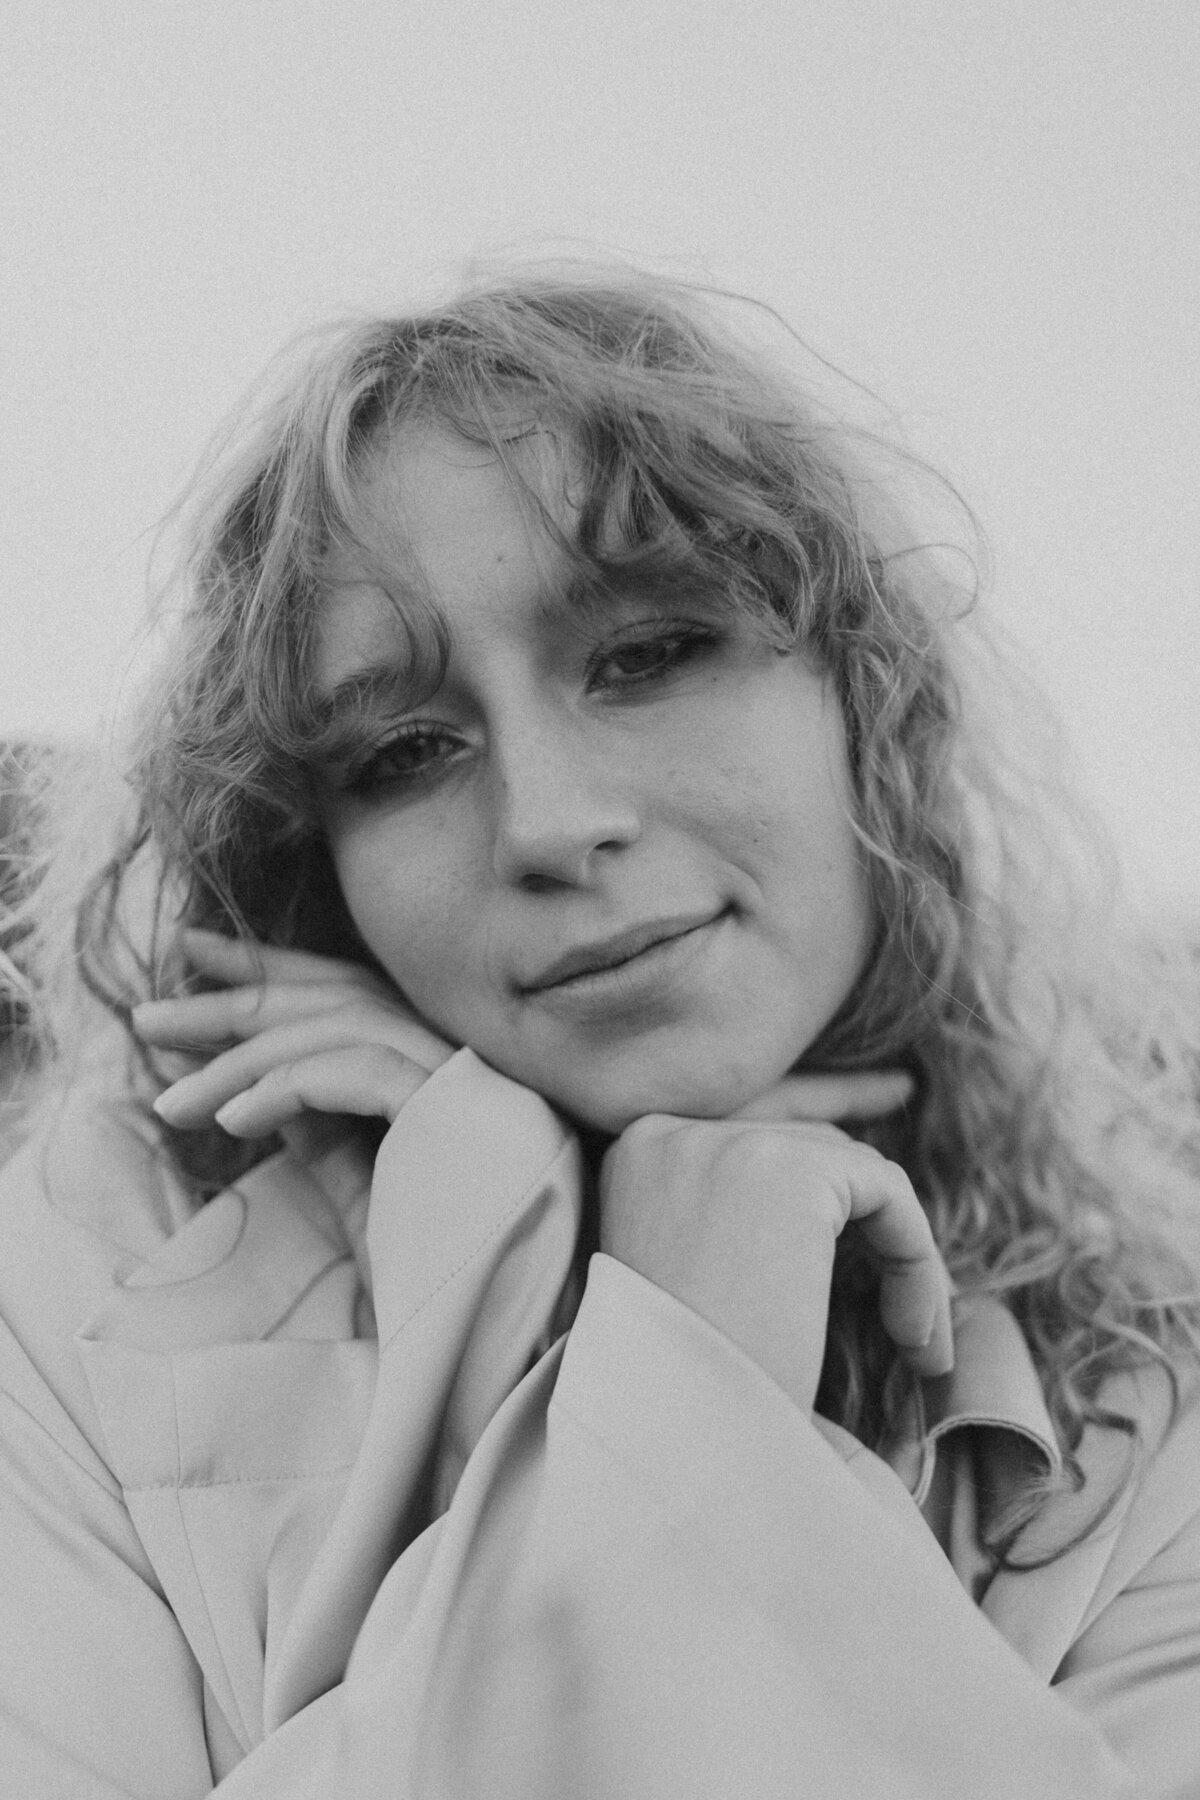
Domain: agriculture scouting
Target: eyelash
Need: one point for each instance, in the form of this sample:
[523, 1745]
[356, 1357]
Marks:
[373, 770]
[686, 644]
[680, 645]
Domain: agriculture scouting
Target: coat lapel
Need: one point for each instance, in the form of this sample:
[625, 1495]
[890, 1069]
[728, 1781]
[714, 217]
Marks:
[274, 1461]
[472, 1282]
[231, 1439]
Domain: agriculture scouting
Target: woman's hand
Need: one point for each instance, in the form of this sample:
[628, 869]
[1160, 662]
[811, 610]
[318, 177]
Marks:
[738, 1218]
[292, 1032]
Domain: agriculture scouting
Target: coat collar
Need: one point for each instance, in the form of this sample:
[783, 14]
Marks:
[242, 1421]
[994, 1383]
[1070, 1543]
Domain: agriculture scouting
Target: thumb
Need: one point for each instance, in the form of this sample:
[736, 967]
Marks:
[852, 1094]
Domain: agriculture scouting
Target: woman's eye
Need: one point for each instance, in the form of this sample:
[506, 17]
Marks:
[407, 757]
[634, 661]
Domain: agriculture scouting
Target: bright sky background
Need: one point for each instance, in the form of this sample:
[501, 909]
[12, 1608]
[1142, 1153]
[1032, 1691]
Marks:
[985, 209]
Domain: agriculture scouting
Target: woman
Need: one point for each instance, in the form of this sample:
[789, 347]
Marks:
[568, 828]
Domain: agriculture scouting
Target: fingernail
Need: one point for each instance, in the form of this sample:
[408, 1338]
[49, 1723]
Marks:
[169, 1105]
[230, 1116]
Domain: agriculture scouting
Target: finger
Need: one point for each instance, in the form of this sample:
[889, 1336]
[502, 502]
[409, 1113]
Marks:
[369, 1080]
[196, 1098]
[229, 1014]
[914, 1300]
[852, 1094]
[236, 1013]
[245, 960]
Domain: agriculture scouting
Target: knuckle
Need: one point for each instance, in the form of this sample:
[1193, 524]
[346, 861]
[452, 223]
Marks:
[860, 1149]
[281, 1075]
[247, 1003]
[648, 1129]
[760, 1149]
[354, 985]
[350, 1008]
[359, 1018]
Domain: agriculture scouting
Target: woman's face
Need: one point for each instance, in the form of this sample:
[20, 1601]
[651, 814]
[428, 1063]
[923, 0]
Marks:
[612, 852]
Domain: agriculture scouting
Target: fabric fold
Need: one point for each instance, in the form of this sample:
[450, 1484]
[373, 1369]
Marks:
[471, 1279]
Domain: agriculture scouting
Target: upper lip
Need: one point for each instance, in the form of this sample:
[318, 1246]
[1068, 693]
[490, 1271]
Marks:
[606, 953]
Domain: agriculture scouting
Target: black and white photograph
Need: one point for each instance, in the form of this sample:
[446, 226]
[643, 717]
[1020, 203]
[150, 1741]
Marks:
[600, 901]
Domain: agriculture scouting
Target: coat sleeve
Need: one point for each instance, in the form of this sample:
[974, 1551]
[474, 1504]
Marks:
[100, 1696]
[1135, 1666]
[656, 1580]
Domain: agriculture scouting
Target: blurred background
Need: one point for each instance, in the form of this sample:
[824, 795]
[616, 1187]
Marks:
[986, 210]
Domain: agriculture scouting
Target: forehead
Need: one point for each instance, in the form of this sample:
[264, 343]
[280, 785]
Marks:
[450, 508]
[448, 529]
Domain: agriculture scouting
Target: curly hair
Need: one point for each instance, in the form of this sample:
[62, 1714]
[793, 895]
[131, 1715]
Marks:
[1053, 1135]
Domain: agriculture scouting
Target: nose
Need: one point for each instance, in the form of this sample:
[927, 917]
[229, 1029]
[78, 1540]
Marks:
[562, 802]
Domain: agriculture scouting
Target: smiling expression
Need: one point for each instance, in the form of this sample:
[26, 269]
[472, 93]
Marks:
[612, 852]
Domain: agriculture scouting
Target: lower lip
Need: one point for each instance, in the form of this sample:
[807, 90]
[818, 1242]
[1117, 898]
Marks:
[653, 976]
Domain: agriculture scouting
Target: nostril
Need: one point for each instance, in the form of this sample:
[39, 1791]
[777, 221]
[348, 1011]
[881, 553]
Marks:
[538, 882]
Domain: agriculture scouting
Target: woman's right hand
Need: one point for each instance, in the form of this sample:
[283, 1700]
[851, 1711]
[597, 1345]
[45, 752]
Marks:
[290, 1033]
[739, 1217]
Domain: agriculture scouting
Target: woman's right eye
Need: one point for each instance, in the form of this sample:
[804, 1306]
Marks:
[410, 755]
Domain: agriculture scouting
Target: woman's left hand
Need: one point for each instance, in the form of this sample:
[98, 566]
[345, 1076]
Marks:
[291, 1033]
[738, 1218]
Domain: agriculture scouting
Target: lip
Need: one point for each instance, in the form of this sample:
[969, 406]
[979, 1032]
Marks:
[611, 954]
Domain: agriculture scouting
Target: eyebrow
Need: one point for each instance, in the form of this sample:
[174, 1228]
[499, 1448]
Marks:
[398, 679]
[382, 685]
[396, 684]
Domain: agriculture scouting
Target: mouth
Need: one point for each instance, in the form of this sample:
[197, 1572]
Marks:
[614, 953]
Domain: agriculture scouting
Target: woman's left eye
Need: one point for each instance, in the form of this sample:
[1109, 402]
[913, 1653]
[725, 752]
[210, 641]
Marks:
[639, 660]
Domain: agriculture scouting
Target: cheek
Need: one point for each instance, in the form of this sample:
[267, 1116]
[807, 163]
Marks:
[801, 847]
[402, 904]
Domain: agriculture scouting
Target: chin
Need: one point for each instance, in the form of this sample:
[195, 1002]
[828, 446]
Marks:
[611, 1105]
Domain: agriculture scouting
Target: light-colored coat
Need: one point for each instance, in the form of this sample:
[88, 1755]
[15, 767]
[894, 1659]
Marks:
[310, 1493]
